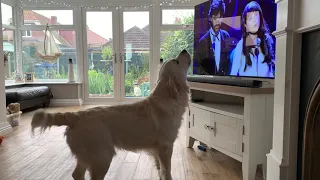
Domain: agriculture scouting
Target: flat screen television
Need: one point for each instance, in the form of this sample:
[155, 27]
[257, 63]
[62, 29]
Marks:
[234, 38]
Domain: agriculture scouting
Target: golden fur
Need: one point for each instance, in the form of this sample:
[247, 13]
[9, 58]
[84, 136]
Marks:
[150, 125]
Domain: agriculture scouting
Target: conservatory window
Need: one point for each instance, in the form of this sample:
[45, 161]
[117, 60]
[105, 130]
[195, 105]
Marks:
[46, 51]
[176, 32]
[47, 70]
[52, 17]
[177, 16]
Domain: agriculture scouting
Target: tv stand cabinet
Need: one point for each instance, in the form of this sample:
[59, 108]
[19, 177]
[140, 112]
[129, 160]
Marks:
[236, 121]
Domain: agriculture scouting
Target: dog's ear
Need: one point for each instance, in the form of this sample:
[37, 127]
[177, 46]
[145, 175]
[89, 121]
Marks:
[173, 87]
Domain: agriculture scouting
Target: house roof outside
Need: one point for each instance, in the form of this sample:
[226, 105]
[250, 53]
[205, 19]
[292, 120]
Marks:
[139, 38]
[66, 37]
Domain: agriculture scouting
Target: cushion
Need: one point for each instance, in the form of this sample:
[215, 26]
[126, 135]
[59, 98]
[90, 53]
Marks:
[25, 93]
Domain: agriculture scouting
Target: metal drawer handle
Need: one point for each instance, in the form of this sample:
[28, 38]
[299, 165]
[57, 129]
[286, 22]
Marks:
[207, 127]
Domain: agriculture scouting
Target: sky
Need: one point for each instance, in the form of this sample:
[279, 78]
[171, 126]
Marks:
[100, 22]
[6, 13]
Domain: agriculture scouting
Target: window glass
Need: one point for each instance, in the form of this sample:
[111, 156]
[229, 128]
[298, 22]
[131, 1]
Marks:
[33, 51]
[172, 42]
[178, 16]
[6, 14]
[10, 63]
[52, 17]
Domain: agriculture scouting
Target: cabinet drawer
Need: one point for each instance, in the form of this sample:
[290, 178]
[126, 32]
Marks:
[227, 133]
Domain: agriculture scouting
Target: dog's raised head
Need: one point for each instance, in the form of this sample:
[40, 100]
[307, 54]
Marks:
[177, 67]
[173, 75]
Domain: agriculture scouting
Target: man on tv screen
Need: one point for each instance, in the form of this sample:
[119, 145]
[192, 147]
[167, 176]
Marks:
[212, 53]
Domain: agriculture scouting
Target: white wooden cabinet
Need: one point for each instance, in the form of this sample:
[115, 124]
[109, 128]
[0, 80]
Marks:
[236, 121]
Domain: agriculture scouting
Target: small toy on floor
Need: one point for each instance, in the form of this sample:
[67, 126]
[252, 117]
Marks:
[13, 114]
[13, 108]
[202, 148]
[1, 139]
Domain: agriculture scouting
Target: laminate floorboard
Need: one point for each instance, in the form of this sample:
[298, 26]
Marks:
[47, 157]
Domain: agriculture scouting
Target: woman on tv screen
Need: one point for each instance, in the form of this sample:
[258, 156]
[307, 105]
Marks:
[254, 54]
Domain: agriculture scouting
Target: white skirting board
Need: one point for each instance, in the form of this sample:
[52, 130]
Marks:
[66, 102]
[5, 128]
[274, 166]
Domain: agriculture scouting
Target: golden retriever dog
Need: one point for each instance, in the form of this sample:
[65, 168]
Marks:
[150, 125]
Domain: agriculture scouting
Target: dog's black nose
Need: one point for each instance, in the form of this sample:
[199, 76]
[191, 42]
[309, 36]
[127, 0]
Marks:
[184, 51]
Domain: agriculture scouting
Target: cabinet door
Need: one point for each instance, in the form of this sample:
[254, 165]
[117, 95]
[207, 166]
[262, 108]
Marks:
[227, 133]
[199, 124]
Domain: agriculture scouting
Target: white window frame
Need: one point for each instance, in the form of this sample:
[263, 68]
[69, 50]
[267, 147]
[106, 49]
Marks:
[151, 50]
[173, 27]
[55, 27]
[11, 28]
[36, 27]
[24, 33]
[115, 48]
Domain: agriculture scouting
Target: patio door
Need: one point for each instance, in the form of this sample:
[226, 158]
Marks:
[134, 53]
[118, 55]
[101, 66]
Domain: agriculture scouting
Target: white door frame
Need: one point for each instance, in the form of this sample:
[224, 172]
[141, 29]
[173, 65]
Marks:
[116, 64]
[121, 47]
[119, 79]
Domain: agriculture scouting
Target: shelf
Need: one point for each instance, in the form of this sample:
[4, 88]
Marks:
[231, 110]
[43, 83]
[58, 83]
[224, 89]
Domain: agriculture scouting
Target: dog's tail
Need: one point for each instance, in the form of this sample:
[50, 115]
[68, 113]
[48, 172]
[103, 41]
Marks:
[44, 120]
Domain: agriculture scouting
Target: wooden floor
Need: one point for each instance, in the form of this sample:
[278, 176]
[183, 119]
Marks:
[48, 157]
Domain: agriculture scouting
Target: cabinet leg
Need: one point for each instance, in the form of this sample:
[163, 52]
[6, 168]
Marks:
[190, 141]
[249, 169]
[203, 144]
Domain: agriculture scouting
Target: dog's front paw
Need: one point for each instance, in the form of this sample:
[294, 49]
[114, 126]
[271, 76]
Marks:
[159, 173]
[165, 175]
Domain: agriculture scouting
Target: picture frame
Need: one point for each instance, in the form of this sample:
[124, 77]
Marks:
[28, 77]
[18, 78]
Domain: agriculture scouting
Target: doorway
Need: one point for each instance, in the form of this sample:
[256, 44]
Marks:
[117, 55]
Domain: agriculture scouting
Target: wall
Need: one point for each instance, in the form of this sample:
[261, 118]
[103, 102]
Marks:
[65, 91]
[309, 10]
[65, 94]
[5, 127]
[294, 18]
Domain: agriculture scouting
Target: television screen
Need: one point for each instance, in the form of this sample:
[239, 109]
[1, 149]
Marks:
[234, 38]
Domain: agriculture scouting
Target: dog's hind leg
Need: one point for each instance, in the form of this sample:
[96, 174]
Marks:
[165, 154]
[99, 168]
[157, 163]
[79, 172]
